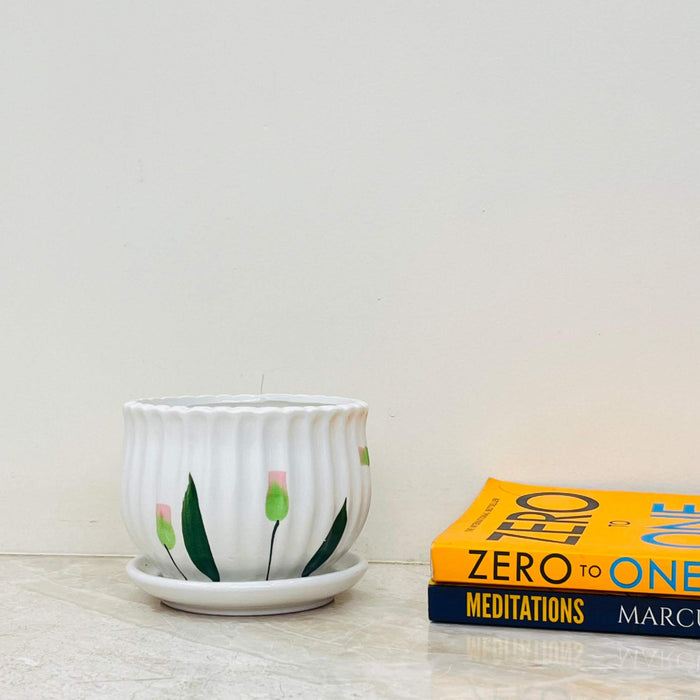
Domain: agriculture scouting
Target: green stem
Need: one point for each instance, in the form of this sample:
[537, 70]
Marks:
[272, 542]
[174, 564]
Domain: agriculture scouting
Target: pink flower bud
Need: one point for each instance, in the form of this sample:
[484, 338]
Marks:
[279, 478]
[163, 512]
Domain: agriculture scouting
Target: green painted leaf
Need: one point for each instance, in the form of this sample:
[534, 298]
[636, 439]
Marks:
[364, 455]
[165, 531]
[328, 546]
[194, 534]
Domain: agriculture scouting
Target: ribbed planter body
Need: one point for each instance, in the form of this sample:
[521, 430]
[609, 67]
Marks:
[244, 488]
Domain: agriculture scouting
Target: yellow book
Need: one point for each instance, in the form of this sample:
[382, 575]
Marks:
[625, 542]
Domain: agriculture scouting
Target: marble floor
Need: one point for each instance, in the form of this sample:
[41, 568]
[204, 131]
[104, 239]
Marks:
[76, 627]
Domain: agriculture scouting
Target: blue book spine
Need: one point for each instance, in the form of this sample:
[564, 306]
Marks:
[587, 611]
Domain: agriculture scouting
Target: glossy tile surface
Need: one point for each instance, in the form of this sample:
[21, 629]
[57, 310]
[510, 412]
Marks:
[78, 628]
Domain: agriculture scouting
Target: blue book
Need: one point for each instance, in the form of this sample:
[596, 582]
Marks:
[546, 608]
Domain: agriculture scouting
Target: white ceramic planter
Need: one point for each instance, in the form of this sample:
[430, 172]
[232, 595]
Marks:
[244, 488]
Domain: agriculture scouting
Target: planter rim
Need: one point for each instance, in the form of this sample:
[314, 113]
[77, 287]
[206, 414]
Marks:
[247, 403]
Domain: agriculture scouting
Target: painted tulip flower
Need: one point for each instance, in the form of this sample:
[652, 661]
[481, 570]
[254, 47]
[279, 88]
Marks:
[277, 500]
[164, 525]
[164, 529]
[276, 506]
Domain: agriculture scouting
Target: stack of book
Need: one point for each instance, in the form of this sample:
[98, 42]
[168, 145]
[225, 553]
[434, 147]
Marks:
[597, 561]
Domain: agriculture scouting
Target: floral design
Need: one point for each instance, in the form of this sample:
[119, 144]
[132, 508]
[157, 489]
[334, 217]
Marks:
[276, 506]
[276, 509]
[166, 534]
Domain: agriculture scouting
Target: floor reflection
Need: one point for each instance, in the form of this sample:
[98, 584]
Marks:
[500, 662]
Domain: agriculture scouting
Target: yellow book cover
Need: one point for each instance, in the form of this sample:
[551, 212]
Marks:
[625, 542]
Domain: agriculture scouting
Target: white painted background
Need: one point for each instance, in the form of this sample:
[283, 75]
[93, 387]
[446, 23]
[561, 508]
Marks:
[480, 217]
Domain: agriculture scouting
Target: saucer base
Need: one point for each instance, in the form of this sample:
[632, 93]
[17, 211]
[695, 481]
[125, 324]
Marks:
[237, 612]
[248, 597]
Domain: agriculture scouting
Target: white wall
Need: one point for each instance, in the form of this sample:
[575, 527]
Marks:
[480, 217]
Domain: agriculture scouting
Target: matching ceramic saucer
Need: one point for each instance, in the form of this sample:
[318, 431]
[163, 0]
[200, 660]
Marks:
[249, 597]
